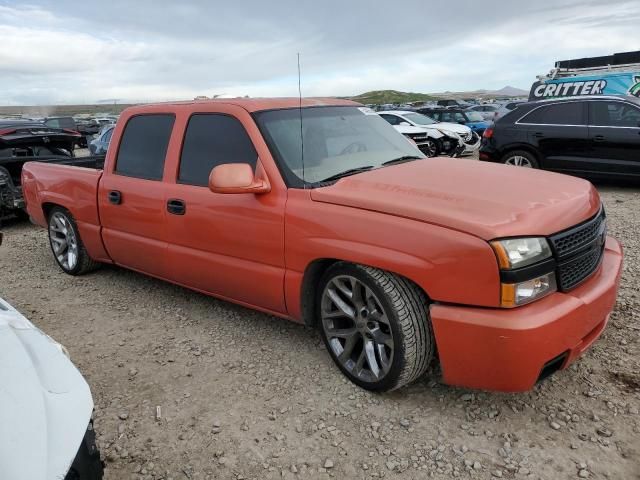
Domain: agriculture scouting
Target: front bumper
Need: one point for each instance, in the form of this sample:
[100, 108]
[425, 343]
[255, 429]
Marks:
[472, 146]
[508, 349]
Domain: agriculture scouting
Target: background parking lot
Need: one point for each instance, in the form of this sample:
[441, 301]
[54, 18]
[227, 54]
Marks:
[241, 394]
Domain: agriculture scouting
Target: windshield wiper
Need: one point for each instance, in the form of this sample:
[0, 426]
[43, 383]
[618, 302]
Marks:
[405, 158]
[346, 173]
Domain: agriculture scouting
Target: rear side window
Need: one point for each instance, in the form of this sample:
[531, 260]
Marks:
[570, 113]
[212, 140]
[143, 146]
[392, 119]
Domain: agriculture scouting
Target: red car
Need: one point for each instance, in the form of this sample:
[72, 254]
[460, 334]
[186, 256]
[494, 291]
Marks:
[322, 213]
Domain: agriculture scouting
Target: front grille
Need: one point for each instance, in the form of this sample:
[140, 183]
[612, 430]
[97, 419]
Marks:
[578, 251]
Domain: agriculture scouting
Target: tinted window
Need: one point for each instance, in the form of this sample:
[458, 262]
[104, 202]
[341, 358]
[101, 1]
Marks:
[53, 123]
[143, 146]
[614, 114]
[570, 113]
[106, 138]
[392, 119]
[67, 122]
[212, 140]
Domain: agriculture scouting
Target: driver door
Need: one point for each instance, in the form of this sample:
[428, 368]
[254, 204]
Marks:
[614, 137]
[228, 245]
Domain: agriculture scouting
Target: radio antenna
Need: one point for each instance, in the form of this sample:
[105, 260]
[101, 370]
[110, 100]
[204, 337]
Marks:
[304, 183]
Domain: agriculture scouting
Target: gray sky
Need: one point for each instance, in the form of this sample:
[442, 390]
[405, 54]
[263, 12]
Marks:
[62, 51]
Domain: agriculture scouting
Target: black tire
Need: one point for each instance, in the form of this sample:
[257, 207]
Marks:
[406, 308]
[84, 263]
[432, 148]
[87, 464]
[509, 158]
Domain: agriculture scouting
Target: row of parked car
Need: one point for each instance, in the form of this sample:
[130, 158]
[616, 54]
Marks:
[597, 135]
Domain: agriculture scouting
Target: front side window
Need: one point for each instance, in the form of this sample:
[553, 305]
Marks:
[143, 146]
[613, 114]
[106, 138]
[336, 139]
[211, 140]
[569, 113]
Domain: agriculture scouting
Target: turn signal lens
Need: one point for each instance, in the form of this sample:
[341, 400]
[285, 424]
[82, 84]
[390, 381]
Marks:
[516, 294]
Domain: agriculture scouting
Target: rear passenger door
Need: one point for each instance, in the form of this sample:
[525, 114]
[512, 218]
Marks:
[131, 197]
[614, 134]
[559, 131]
[224, 244]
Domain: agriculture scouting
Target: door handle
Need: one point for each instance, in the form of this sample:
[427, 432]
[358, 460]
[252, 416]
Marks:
[175, 206]
[538, 134]
[115, 197]
[598, 138]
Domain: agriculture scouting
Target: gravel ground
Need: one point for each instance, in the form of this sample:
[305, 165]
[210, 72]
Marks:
[189, 387]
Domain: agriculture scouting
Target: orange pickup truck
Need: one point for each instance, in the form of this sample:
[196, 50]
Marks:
[320, 212]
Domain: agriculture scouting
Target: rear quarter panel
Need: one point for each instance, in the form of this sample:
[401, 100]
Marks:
[74, 188]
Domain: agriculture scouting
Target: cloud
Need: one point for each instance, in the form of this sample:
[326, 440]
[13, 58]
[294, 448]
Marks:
[67, 52]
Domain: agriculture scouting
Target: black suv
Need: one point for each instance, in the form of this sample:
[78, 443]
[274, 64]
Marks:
[591, 136]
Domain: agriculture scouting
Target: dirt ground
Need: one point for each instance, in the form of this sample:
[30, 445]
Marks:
[243, 395]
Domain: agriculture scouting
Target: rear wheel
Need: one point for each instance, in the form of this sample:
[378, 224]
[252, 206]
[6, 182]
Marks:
[375, 325]
[66, 244]
[520, 158]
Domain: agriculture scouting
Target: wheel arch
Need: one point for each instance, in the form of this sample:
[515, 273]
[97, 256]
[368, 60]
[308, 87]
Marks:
[311, 279]
[524, 147]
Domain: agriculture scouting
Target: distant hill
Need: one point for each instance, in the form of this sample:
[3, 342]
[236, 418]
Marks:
[50, 110]
[509, 91]
[378, 97]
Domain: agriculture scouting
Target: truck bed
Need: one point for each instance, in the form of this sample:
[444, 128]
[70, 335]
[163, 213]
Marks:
[69, 185]
[11, 197]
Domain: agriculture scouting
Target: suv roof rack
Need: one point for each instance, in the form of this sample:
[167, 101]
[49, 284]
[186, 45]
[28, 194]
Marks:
[616, 63]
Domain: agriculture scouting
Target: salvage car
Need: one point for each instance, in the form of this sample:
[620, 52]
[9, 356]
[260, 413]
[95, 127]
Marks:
[45, 407]
[595, 136]
[318, 211]
[457, 140]
[22, 141]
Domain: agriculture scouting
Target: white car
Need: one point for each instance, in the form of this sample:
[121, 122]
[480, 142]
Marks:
[488, 112]
[45, 407]
[469, 142]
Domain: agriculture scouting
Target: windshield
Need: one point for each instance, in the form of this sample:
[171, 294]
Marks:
[419, 119]
[336, 140]
[474, 117]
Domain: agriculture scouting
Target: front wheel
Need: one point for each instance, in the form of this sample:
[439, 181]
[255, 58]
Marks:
[430, 148]
[66, 244]
[375, 325]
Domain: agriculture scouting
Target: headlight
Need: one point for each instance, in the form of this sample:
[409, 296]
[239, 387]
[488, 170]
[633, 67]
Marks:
[527, 270]
[520, 252]
[516, 294]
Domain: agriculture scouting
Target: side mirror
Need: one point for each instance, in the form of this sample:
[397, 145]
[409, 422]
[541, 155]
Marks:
[405, 124]
[236, 178]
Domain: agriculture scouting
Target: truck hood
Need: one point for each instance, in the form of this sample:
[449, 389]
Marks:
[45, 404]
[486, 200]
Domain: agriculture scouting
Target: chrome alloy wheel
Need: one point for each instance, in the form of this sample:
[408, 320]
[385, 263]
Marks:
[518, 161]
[430, 148]
[357, 328]
[63, 241]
